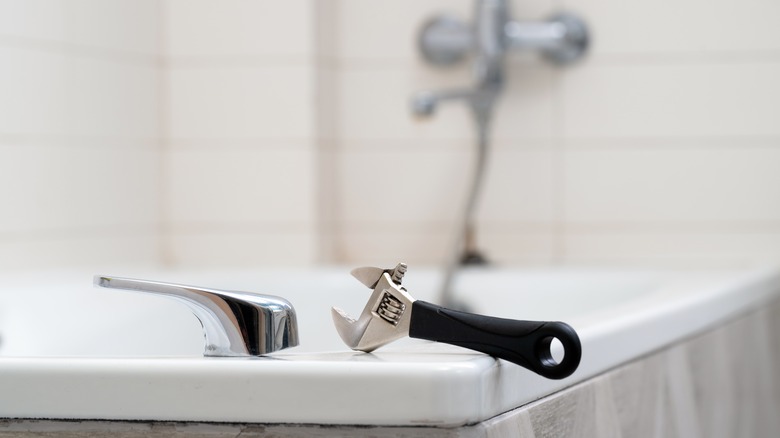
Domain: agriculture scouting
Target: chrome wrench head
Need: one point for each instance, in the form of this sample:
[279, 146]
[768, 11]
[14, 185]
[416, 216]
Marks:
[386, 315]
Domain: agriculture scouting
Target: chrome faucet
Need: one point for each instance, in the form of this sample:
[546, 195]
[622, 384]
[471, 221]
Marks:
[444, 41]
[234, 323]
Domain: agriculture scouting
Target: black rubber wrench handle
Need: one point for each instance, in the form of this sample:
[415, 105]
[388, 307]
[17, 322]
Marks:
[525, 343]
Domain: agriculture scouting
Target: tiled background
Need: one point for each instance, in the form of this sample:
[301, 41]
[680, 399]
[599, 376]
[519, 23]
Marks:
[239, 132]
[79, 132]
[253, 133]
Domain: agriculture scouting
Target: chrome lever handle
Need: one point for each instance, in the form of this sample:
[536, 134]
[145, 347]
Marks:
[234, 323]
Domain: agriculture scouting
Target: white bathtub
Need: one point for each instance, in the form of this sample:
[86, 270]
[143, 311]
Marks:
[68, 350]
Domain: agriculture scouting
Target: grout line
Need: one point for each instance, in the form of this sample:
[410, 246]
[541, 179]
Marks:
[676, 227]
[329, 235]
[369, 145]
[605, 227]
[672, 143]
[558, 173]
[338, 228]
[270, 143]
[80, 50]
[67, 233]
[690, 57]
[320, 184]
[573, 144]
[60, 141]
[445, 226]
[271, 61]
[164, 249]
[257, 227]
[456, 144]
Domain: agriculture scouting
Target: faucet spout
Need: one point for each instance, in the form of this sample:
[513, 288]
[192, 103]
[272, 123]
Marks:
[480, 100]
[234, 323]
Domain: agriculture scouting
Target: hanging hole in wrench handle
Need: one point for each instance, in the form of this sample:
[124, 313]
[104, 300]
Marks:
[525, 343]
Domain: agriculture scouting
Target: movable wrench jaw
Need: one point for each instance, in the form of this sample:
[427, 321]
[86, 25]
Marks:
[387, 313]
[347, 328]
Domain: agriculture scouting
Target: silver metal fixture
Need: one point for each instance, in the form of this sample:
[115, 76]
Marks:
[234, 323]
[391, 313]
[446, 40]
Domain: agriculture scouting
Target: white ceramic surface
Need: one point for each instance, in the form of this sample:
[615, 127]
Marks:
[69, 350]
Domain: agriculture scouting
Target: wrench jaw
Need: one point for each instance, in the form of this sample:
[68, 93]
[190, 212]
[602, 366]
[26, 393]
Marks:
[346, 327]
[385, 318]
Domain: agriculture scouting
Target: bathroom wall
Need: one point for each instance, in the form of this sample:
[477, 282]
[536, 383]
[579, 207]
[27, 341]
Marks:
[400, 181]
[662, 146]
[239, 133]
[79, 129]
[261, 133]
[670, 133]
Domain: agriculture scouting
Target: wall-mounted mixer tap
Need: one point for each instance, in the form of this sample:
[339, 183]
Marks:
[444, 41]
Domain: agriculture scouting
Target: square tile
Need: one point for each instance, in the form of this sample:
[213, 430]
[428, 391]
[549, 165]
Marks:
[239, 103]
[239, 28]
[632, 27]
[632, 101]
[729, 185]
[375, 104]
[248, 187]
[241, 249]
[64, 188]
[685, 248]
[519, 186]
[119, 25]
[103, 250]
[46, 94]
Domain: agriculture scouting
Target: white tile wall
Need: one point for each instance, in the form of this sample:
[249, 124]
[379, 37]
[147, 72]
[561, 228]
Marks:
[218, 102]
[375, 30]
[407, 185]
[79, 129]
[375, 101]
[48, 93]
[260, 132]
[677, 245]
[661, 145]
[672, 26]
[239, 29]
[420, 245]
[98, 250]
[385, 31]
[421, 167]
[117, 27]
[692, 185]
[240, 129]
[677, 100]
[63, 188]
[241, 185]
[246, 248]
[400, 185]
